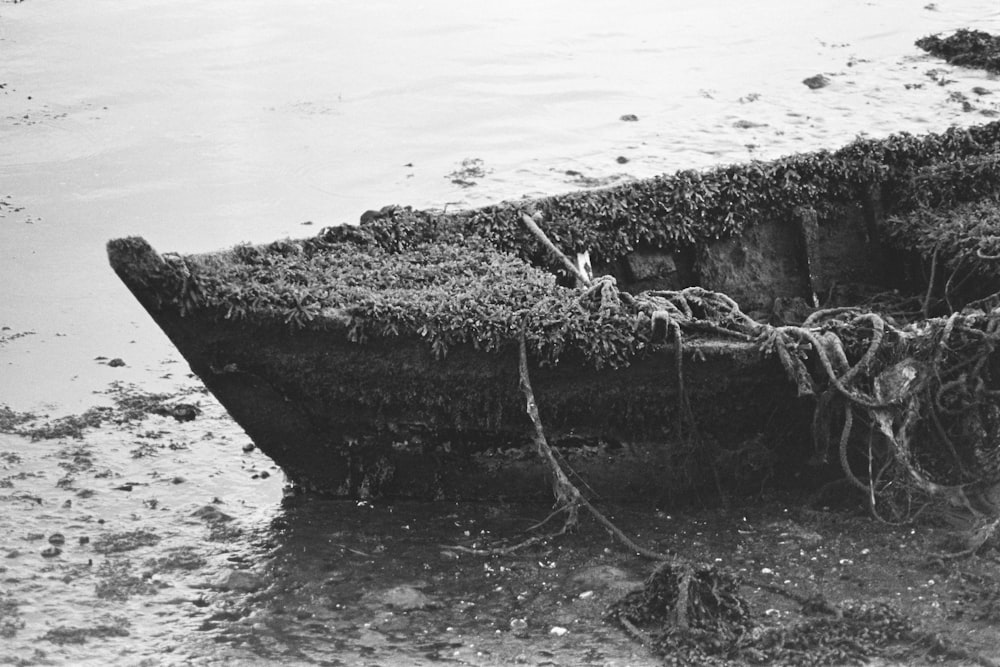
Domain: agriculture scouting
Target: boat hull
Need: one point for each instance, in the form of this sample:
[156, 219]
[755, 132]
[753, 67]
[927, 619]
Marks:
[389, 418]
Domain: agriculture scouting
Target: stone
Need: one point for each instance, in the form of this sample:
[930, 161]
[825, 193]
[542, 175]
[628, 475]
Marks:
[817, 81]
[238, 580]
[404, 597]
[605, 578]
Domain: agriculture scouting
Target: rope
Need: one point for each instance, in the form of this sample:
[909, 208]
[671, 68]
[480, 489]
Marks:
[948, 359]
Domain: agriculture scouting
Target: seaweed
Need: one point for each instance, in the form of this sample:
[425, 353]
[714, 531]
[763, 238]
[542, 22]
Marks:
[963, 237]
[10, 616]
[131, 404]
[696, 615]
[117, 581]
[11, 420]
[110, 543]
[111, 626]
[965, 48]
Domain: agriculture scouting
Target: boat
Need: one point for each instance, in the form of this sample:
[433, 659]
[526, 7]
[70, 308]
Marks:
[737, 322]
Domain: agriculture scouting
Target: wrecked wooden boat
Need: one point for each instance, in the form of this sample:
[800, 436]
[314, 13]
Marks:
[752, 322]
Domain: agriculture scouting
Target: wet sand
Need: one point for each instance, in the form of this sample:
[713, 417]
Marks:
[200, 126]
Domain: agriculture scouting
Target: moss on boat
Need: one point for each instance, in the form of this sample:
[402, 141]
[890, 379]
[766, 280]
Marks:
[691, 209]
[473, 277]
[380, 358]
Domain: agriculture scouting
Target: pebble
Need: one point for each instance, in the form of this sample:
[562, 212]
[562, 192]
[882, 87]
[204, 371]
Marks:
[51, 552]
[238, 580]
[404, 597]
[211, 514]
[605, 578]
[57, 539]
[817, 81]
[629, 118]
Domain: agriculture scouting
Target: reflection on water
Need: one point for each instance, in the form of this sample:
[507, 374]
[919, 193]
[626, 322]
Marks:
[199, 125]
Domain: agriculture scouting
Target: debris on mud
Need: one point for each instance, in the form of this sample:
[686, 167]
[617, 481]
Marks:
[467, 173]
[6, 333]
[712, 623]
[182, 412]
[130, 405]
[119, 581]
[112, 626]
[110, 543]
[700, 606]
[178, 558]
[11, 421]
[10, 616]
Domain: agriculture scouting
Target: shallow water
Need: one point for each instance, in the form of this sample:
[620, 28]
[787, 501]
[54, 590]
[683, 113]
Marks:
[200, 125]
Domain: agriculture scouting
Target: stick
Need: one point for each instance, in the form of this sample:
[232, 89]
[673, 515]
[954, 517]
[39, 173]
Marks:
[930, 282]
[540, 235]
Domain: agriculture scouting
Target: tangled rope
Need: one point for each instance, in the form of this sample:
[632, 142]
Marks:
[927, 392]
[929, 396]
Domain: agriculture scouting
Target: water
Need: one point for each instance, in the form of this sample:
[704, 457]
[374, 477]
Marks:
[200, 125]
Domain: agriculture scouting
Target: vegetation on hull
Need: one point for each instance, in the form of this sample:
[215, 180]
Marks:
[691, 209]
[339, 352]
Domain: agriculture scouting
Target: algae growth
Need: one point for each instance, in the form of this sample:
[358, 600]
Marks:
[966, 48]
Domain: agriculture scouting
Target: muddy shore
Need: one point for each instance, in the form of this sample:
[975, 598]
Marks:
[166, 547]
